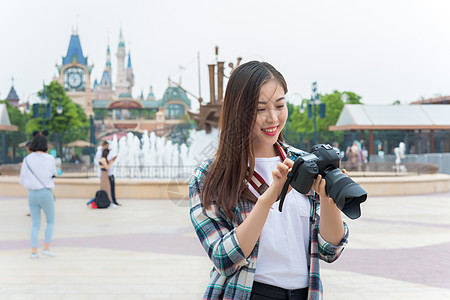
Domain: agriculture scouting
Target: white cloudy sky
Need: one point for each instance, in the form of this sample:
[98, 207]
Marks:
[382, 50]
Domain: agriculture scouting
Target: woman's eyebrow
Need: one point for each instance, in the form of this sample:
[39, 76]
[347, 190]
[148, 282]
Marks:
[265, 102]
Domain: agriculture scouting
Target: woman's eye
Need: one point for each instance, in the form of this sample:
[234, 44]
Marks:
[261, 109]
[280, 106]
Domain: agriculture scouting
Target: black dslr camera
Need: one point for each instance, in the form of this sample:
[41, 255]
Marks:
[324, 160]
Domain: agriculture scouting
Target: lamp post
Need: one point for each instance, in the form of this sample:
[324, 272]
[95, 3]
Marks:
[48, 108]
[312, 103]
[59, 109]
[92, 137]
[47, 114]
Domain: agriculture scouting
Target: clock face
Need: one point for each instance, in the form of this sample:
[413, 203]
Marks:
[74, 80]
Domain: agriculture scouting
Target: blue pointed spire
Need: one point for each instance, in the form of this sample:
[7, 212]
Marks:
[108, 57]
[121, 42]
[106, 78]
[129, 67]
[74, 52]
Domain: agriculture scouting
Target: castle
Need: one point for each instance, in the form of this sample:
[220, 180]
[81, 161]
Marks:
[112, 103]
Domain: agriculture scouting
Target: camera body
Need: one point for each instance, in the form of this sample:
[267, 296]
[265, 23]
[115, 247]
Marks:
[324, 160]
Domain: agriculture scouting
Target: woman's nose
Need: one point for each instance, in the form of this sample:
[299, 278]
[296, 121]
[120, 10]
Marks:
[271, 114]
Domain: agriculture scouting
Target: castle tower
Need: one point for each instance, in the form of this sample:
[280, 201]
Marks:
[12, 97]
[75, 75]
[104, 89]
[151, 95]
[121, 83]
[130, 75]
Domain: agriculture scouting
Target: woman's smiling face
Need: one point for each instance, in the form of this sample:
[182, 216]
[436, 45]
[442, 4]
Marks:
[271, 117]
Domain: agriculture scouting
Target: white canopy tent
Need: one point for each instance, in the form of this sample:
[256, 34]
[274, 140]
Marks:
[393, 117]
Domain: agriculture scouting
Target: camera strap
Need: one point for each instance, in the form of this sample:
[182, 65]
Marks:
[257, 182]
[284, 191]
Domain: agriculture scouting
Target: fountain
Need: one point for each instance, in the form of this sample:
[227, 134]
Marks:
[156, 157]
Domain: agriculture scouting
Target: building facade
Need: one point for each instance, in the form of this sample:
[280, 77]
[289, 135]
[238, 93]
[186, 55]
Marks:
[75, 75]
[111, 101]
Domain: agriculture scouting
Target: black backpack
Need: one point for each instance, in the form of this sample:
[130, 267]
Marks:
[101, 199]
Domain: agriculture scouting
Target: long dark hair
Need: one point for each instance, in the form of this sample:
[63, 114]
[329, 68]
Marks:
[234, 161]
[105, 153]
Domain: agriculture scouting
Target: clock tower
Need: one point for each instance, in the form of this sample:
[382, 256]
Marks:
[75, 75]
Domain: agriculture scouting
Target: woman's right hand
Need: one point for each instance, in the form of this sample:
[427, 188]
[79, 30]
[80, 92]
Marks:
[279, 175]
[249, 231]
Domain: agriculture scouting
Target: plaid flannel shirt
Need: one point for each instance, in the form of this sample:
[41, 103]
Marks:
[233, 274]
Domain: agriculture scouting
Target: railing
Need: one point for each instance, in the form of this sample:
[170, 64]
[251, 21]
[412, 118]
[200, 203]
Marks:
[390, 167]
[160, 171]
[72, 170]
[440, 160]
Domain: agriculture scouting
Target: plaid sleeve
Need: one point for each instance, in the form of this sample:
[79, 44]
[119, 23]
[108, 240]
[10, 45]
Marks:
[329, 252]
[214, 233]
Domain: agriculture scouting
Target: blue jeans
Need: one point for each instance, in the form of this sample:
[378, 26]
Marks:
[41, 199]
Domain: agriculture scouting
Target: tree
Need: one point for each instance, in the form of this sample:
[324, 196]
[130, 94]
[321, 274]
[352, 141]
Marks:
[16, 117]
[71, 125]
[301, 129]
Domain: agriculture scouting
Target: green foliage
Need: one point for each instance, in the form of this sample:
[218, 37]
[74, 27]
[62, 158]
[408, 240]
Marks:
[71, 125]
[146, 114]
[13, 138]
[301, 129]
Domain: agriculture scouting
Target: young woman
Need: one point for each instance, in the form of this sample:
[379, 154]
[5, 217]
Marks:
[36, 174]
[105, 183]
[257, 251]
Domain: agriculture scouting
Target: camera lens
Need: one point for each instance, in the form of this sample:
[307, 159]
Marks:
[347, 194]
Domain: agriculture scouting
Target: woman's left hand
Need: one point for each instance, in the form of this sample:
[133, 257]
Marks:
[319, 187]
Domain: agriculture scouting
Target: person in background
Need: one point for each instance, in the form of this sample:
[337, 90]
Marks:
[353, 154]
[105, 183]
[36, 174]
[364, 156]
[111, 159]
[380, 150]
[336, 148]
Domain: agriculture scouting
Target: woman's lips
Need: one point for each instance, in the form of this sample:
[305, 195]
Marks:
[270, 131]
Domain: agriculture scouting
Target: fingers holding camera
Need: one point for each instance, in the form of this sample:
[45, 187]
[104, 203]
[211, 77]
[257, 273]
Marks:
[319, 187]
[279, 175]
[345, 172]
[288, 162]
[282, 169]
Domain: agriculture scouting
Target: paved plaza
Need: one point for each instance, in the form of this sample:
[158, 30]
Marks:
[146, 249]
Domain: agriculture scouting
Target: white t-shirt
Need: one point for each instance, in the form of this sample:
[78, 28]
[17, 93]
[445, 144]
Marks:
[43, 167]
[284, 241]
